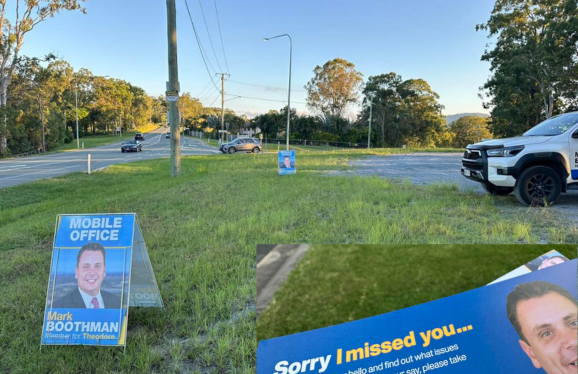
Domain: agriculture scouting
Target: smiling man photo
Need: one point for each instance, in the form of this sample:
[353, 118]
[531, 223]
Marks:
[90, 271]
[545, 318]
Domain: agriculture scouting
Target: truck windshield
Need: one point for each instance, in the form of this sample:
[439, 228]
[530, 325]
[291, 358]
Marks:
[554, 126]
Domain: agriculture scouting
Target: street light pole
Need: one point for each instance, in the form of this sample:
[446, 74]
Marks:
[370, 112]
[76, 104]
[289, 94]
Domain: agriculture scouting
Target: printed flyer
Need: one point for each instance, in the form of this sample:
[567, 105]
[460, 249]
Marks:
[546, 260]
[524, 325]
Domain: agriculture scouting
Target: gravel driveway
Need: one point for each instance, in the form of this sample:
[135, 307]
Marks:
[427, 168]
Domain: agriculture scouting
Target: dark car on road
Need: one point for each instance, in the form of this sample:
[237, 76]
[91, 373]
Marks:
[242, 145]
[138, 136]
[131, 146]
[168, 135]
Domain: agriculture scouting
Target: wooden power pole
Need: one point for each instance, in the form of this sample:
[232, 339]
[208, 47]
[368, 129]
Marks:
[223, 105]
[173, 90]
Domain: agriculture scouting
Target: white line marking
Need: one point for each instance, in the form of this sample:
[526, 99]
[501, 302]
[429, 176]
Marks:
[43, 171]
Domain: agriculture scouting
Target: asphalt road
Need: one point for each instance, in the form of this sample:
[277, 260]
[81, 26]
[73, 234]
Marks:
[27, 169]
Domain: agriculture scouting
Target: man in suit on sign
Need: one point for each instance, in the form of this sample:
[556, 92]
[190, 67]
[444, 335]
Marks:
[89, 272]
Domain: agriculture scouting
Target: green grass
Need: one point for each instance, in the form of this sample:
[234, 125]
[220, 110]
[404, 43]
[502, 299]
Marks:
[273, 147]
[340, 283]
[94, 141]
[330, 149]
[201, 231]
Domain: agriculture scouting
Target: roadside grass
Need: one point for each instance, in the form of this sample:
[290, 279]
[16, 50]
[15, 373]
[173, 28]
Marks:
[201, 231]
[273, 147]
[95, 141]
[330, 149]
[340, 283]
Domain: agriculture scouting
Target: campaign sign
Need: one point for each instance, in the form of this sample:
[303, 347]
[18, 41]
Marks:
[465, 333]
[89, 287]
[286, 162]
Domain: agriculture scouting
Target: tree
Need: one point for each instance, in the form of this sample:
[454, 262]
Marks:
[381, 91]
[44, 86]
[534, 62]
[190, 108]
[12, 37]
[333, 89]
[469, 130]
[408, 112]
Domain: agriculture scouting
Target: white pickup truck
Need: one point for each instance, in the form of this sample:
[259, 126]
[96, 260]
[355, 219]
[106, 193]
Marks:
[537, 166]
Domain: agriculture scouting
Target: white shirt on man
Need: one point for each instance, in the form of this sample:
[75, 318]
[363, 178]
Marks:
[88, 299]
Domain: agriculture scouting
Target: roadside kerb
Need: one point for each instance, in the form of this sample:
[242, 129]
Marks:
[274, 269]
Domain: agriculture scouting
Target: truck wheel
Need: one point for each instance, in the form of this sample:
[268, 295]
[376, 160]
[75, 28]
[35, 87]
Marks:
[538, 185]
[497, 190]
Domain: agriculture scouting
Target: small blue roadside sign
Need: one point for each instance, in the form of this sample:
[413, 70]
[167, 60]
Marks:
[286, 162]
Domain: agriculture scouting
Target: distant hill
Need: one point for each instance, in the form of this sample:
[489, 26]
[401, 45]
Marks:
[453, 117]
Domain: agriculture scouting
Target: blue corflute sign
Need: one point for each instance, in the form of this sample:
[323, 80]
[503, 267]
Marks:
[286, 162]
[88, 289]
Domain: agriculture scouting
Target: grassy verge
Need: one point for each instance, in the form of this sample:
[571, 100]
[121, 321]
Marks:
[319, 149]
[338, 283]
[95, 141]
[270, 147]
[201, 230]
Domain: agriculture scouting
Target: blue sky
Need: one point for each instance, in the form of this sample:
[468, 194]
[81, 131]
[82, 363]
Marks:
[430, 39]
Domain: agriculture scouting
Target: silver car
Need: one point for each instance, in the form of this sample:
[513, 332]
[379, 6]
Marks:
[242, 145]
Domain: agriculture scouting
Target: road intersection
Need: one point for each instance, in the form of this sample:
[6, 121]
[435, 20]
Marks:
[27, 169]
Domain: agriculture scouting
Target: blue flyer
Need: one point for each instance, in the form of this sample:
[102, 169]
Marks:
[522, 325]
[286, 162]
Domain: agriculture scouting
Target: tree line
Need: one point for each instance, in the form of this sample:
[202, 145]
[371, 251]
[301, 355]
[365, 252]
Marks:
[403, 112]
[534, 75]
[40, 112]
[533, 65]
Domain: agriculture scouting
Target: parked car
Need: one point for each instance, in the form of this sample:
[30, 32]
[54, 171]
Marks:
[537, 166]
[168, 135]
[131, 146]
[242, 145]
[138, 136]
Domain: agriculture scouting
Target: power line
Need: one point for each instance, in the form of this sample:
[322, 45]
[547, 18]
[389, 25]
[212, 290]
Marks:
[208, 33]
[259, 85]
[201, 47]
[258, 98]
[210, 92]
[221, 35]
[199, 95]
[213, 101]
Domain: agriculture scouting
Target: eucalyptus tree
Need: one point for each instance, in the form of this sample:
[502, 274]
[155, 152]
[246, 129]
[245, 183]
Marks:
[533, 64]
[469, 130]
[334, 88]
[27, 14]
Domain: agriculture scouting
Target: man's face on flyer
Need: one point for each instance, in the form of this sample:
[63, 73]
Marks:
[550, 262]
[549, 324]
[90, 272]
[287, 162]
